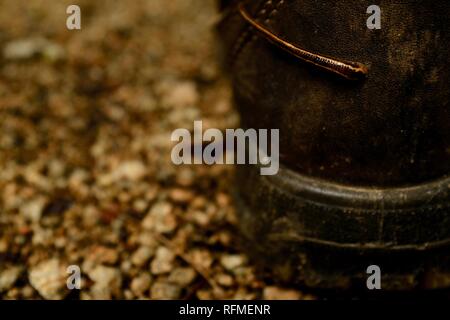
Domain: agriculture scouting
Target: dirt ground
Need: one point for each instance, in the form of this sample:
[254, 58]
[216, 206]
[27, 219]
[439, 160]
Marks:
[85, 172]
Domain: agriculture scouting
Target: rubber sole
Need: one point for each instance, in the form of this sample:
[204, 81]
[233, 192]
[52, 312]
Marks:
[325, 235]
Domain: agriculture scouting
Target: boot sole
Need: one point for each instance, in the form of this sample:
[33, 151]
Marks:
[325, 235]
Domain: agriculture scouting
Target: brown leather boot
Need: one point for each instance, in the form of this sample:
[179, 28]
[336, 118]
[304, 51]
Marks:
[364, 119]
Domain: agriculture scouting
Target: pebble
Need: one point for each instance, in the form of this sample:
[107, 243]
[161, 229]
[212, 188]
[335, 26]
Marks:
[128, 295]
[223, 200]
[42, 236]
[184, 118]
[3, 245]
[203, 294]
[140, 284]
[32, 210]
[182, 276]
[243, 294]
[181, 196]
[49, 279]
[163, 261]
[185, 177]
[199, 202]
[201, 218]
[27, 292]
[147, 238]
[139, 205]
[277, 293]
[244, 275]
[103, 255]
[8, 277]
[107, 282]
[23, 49]
[232, 262]
[129, 170]
[163, 290]
[141, 256]
[160, 218]
[201, 258]
[182, 94]
[224, 280]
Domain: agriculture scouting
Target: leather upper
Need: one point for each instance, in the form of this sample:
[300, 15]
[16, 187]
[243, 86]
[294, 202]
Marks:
[391, 129]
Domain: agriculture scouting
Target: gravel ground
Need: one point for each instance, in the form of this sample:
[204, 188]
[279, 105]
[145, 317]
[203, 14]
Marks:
[85, 171]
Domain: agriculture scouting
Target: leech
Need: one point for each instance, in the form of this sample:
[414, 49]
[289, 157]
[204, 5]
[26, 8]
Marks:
[347, 69]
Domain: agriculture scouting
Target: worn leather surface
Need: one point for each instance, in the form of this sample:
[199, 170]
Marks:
[393, 129]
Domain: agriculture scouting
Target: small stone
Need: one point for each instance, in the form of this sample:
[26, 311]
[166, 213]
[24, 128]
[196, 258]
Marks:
[224, 238]
[201, 218]
[49, 279]
[32, 210]
[147, 239]
[223, 200]
[181, 195]
[184, 117]
[244, 275]
[56, 168]
[3, 245]
[28, 292]
[209, 71]
[128, 295]
[107, 280]
[277, 293]
[52, 51]
[243, 294]
[90, 216]
[204, 294]
[224, 280]
[129, 170]
[139, 205]
[160, 218]
[183, 94]
[42, 236]
[103, 255]
[9, 277]
[182, 276]
[147, 103]
[201, 258]
[28, 48]
[163, 261]
[140, 284]
[141, 256]
[232, 262]
[185, 177]
[60, 242]
[12, 294]
[21, 49]
[222, 107]
[199, 202]
[126, 266]
[162, 290]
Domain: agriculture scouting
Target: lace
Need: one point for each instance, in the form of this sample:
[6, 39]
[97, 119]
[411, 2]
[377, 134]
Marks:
[347, 69]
